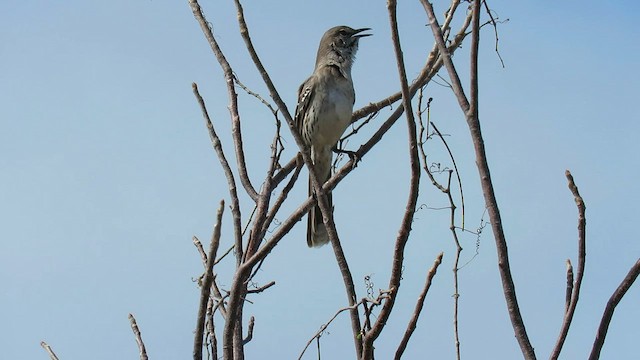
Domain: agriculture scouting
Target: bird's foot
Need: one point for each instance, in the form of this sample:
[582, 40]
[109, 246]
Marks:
[353, 155]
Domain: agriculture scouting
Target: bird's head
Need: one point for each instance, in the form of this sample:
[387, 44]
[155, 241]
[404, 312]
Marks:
[339, 45]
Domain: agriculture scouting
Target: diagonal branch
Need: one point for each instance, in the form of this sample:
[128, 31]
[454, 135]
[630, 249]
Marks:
[610, 308]
[418, 309]
[49, 350]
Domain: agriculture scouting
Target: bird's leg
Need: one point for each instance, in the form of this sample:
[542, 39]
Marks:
[353, 155]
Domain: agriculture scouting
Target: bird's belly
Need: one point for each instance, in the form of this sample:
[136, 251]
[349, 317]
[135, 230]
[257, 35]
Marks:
[335, 118]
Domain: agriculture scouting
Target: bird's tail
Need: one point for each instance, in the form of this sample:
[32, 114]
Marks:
[316, 231]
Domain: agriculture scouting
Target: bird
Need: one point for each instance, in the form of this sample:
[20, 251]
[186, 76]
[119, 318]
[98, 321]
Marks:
[324, 110]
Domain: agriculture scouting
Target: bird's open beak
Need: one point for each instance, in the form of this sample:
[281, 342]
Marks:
[357, 34]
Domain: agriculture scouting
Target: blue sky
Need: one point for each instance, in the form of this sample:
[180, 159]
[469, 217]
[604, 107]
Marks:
[108, 171]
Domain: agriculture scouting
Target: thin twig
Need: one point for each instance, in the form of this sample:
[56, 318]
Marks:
[224, 255]
[582, 253]
[495, 30]
[206, 285]
[261, 288]
[456, 288]
[136, 332]
[455, 168]
[49, 350]
[411, 326]
[283, 196]
[324, 327]
[255, 95]
[614, 300]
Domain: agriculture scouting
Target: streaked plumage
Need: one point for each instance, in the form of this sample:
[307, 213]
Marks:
[325, 106]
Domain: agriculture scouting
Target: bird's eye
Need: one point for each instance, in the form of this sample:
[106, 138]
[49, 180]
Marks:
[342, 32]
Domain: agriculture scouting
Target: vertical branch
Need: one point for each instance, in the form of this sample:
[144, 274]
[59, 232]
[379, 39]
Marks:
[414, 182]
[471, 113]
[582, 254]
[206, 285]
[213, 342]
[136, 332]
[611, 306]
[456, 295]
[411, 326]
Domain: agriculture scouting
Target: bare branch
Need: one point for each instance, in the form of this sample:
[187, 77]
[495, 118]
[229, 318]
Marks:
[431, 68]
[411, 326]
[455, 168]
[495, 30]
[610, 308]
[283, 196]
[471, 113]
[446, 57]
[324, 326]
[414, 182]
[49, 350]
[217, 145]
[233, 107]
[255, 95]
[136, 332]
[582, 254]
[284, 171]
[206, 285]
[261, 288]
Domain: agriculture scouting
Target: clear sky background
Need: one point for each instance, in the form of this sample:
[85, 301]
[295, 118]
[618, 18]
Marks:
[107, 171]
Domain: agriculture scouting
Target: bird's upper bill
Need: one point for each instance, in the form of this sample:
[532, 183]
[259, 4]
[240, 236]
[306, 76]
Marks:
[357, 33]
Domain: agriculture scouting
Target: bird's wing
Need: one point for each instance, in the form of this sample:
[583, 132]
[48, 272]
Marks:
[305, 94]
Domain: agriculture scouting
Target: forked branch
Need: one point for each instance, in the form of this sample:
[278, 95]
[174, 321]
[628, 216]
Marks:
[582, 254]
[470, 110]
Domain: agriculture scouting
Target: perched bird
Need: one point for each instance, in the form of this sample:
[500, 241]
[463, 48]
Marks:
[323, 113]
